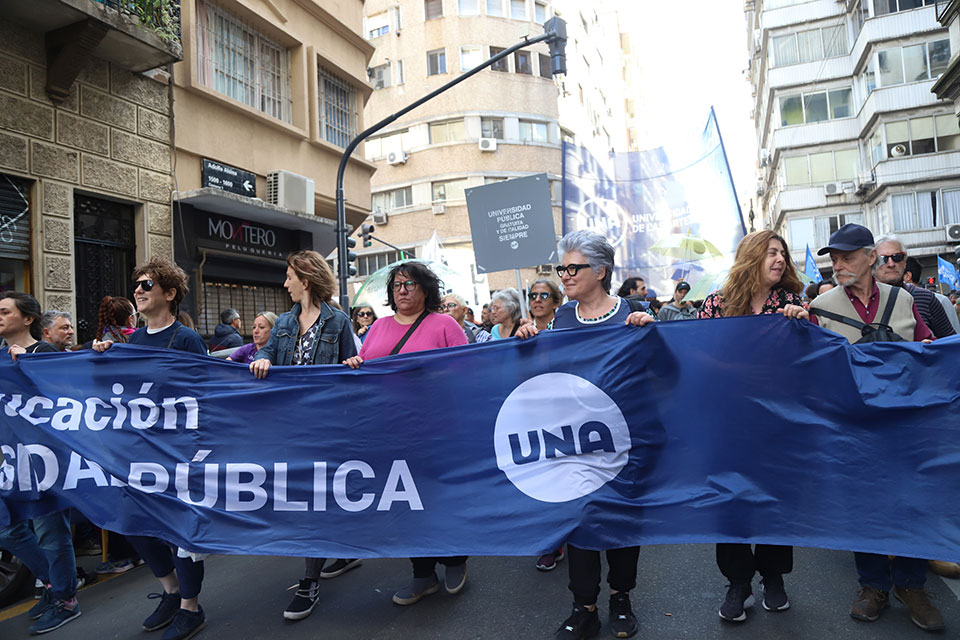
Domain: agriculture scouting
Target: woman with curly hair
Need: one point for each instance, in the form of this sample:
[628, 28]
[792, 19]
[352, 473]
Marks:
[116, 319]
[763, 280]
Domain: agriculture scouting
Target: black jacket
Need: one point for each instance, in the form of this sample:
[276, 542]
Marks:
[225, 337]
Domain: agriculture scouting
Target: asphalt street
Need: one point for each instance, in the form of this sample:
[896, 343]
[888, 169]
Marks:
[678, 593]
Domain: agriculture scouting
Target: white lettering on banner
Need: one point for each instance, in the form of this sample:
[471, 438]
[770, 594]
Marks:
[67, 414]
[243, 486]
[576, 442]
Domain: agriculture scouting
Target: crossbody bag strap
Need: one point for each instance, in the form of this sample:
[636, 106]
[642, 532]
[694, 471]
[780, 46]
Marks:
[888, 310]
[175, 331]
[409, 333]
[823, 313]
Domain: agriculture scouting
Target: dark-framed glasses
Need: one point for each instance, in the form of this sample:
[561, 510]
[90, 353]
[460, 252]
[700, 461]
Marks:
[896, 257]
[538, 295]
[450, 305]
[146, 285]
[364, 314]
[407, 285]
[571, 269]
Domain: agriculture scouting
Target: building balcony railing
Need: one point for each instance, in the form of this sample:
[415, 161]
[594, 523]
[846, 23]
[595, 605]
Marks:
[800, 13]
[927, 167]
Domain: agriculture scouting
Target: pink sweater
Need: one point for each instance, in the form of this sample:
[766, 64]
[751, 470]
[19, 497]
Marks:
[435, 332]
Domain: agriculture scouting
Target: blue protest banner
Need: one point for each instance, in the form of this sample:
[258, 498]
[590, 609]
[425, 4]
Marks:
[947, 273]
[602, 436]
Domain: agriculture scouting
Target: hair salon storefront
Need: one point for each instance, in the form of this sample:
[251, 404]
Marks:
[234, 251]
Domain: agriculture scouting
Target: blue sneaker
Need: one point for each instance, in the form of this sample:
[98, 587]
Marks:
[185, 625]
[46, 599]
[165, 612]
[54, 617]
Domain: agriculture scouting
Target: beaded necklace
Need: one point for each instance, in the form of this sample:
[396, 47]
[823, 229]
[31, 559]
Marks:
[612, 311]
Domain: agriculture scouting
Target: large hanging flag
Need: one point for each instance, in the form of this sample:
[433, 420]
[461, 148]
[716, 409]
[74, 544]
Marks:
[810, 267]
[947, 273]
[671, 213]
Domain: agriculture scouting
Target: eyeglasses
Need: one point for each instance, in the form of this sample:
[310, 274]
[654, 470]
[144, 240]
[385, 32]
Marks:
[364, 314]
[408, 285]
[896, 257]
[542, 295]
[146, 285]
[450, 305]
[571, 269]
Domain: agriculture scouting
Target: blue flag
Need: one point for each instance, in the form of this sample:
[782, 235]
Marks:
[947, 273]
[603, 437]
[810, 267]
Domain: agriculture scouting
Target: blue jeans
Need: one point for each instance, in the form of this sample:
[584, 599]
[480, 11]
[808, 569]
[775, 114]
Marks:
[47, 551]
[880, 572]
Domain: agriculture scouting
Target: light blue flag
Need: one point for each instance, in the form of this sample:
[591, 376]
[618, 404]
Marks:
[947, 273]
[810, 267]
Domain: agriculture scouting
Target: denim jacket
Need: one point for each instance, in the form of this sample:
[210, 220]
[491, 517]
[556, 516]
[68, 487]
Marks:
[335, 343]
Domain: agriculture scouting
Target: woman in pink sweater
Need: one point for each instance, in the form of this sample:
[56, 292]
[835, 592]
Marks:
[413, 293]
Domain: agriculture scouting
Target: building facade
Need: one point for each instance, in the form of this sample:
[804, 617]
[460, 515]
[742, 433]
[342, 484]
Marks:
[848, 129]
[506, 122]
[948, 86]
[85, 151]
[266, 99]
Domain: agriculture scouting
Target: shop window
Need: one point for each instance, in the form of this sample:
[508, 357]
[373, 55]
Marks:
[14, 232]
[249, 301]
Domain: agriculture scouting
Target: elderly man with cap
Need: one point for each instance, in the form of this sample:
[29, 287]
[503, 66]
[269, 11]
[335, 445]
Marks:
[678, 308]
[860, 296]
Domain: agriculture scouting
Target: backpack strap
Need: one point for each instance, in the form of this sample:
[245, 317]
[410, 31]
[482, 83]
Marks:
[856, 324]
[888, 310]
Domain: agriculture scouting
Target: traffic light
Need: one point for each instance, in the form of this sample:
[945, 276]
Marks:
[931, 281]
[366, 231]
[351, 257]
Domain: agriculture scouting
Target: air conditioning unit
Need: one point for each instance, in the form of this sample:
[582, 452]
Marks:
[953, 233]
[898, 150]
[547, 269]
[396, 157]
[380, 217]
[488, 144]
[833, 189]
[290, 191]
[439, 209]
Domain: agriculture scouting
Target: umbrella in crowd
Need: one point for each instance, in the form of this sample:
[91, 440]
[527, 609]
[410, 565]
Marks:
[688, 250]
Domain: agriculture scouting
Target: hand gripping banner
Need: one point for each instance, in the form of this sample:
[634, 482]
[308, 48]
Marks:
[756, 429]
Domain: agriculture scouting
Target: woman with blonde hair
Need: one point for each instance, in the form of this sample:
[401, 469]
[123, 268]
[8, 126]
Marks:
[262, 326]
[763, 280]
[312, 332]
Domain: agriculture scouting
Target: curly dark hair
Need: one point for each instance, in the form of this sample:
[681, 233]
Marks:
[166, 275]
[424, 277]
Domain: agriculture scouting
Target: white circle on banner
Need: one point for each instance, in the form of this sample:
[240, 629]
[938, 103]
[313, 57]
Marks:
[559, 437]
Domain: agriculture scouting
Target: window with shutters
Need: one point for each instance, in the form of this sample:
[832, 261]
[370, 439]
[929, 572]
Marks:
[432, 9]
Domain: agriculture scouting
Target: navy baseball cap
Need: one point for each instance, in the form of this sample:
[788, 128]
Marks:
[682, 285]
[848, 238]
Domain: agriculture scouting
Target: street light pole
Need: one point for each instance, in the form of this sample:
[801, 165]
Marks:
[555, 35]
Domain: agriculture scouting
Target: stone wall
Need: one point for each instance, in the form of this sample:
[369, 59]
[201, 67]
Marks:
[110, 137]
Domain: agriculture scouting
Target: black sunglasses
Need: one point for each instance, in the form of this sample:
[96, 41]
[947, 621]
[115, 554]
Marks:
[896, 257]
[364, 314]
[571, 269]
[543, 295]
[146, 285]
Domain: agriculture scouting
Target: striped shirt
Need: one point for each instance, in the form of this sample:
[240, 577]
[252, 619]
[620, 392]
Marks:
[931, 311]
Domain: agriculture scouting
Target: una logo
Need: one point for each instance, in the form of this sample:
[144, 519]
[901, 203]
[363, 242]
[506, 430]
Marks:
[559, 437]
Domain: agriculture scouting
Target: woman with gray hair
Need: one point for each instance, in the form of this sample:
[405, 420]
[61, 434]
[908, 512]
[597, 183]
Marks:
[585, 272]
[506, 309]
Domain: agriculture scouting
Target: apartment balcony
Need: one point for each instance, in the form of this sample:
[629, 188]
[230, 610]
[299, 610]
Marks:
[120, 31]
[819, 133]
[918, 168]
[901, 97]
[809, 73]
[800, 13]
[924, 242]
[892, 26]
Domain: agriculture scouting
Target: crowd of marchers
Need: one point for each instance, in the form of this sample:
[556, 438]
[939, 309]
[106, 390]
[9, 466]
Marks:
[874, 294]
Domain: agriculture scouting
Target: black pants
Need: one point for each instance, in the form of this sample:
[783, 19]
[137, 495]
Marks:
[584, 567]
[738, 562]
[423, 567]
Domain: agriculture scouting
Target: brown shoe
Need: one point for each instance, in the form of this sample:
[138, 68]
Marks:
[922, 612]
[869, 604]
[945, 569]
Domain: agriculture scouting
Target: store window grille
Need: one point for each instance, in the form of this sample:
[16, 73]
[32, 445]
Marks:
[248, 300]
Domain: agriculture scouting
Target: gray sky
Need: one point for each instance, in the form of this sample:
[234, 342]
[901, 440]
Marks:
[692, 55]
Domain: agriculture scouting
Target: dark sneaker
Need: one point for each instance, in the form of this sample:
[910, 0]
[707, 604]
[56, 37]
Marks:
[623, 624]
[774, 595]
[186, 624]
[116, 566]
[46, 600]
[548, 561]
[869, 603]
[305, 599]
[581, 624]
[922, 612]
[165, 612]
[739, 598]
[454, 578]
[339, 567]
[84, 578]
[55, 616]
[418, 588]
